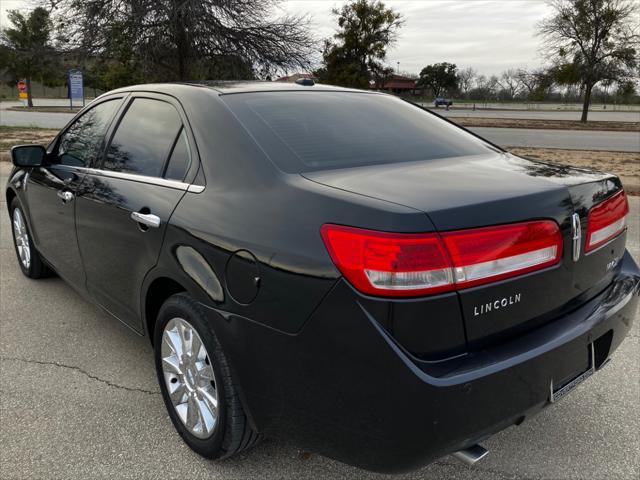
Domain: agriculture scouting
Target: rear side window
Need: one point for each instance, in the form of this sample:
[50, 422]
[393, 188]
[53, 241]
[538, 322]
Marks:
[306, 131]
[144, 138]
[180, 159]
[80, 144]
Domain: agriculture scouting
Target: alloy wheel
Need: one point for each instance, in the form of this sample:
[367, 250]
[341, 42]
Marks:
[189, 377]
[21, 236]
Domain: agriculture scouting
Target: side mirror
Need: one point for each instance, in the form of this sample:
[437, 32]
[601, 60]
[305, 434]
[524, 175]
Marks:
[28, 155]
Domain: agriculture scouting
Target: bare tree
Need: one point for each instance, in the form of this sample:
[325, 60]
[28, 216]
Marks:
[466, 79]
[510, 82]
[599, 36]
[538, 83]
[174, 40]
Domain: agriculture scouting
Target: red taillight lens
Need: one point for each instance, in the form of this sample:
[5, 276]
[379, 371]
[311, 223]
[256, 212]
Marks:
[481, 255]
[606, 221]
[389, 263]
[396, 264]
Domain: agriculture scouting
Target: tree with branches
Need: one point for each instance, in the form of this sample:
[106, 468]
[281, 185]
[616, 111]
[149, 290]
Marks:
[600, 37]
[357, 52]
[466, 80]
[510, 83]
[167, 40]
[439, 77]
[28, 49]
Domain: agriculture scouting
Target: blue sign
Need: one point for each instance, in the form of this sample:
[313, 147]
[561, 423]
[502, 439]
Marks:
[76, 85]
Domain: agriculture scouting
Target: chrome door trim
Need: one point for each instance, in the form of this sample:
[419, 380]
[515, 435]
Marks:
[161, 182]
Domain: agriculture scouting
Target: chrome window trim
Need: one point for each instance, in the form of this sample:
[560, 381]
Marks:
[161, 182]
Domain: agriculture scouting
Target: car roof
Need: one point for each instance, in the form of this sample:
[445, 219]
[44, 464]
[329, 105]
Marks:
[234, 86]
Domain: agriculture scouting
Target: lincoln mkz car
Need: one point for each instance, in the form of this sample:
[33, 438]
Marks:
[342, 269]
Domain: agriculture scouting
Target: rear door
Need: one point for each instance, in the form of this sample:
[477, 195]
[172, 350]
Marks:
[125, 204]
[51, 189]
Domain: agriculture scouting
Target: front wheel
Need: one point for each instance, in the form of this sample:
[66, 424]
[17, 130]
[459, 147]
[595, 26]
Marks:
[28, 257]
[196, 382]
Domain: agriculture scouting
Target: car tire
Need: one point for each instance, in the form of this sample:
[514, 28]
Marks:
[189, 378]
[29, 259]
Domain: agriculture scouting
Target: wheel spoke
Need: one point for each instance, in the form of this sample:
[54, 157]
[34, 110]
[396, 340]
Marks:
[205, 371]
[182, 410]
[186, 337]
[207, 416]
[209, 396]
[174, 342]
[196, 347]
[171, 364]
[192, 413]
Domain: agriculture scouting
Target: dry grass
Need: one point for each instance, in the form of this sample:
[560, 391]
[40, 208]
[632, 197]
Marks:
[47, 109]
[546, 124]
[625, 165]
[10, 136]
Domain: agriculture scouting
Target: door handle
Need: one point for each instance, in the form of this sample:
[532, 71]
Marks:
[147, 219]
[65, 195]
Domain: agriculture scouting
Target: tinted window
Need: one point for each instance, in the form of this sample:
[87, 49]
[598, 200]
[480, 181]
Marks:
[180, 158]
[303, 131]
[80, 144]
[144, 138]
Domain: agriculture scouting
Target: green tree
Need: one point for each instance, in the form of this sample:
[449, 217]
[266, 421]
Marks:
[356, 53]
[28, 50]
[626, 91]
[439, 77]
[598, 36]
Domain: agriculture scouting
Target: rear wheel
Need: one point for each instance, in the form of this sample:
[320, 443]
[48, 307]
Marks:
[196, 382]
[28, 257]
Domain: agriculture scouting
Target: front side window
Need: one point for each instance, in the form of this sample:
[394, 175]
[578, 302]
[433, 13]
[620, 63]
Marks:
[144, 138]
[80, 144]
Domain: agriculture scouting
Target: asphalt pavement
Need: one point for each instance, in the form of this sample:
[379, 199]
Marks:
[79, 400]
[597, 115]
[513, 137]
[569, 139]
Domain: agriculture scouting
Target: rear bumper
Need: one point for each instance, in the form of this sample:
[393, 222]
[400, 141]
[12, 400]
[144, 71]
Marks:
[343, 387]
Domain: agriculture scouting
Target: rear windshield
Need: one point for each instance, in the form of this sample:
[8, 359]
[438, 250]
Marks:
[307, 131]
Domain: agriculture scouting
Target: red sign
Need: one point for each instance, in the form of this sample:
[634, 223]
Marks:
[22, 86]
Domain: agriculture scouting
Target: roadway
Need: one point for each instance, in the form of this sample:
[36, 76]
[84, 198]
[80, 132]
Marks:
[79, 400]
[515, 137]
[569, 139]
[597, 115]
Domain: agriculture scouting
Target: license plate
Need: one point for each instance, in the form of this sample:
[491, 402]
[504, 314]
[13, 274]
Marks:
[557, 395]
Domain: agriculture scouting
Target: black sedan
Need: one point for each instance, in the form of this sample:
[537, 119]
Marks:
[340, 268]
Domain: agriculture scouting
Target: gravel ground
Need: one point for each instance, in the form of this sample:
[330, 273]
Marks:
[79, 400]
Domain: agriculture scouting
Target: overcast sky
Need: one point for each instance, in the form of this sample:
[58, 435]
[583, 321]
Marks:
[488, 35]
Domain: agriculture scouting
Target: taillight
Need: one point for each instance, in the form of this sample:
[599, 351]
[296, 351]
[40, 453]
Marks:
[397, 264]
[393, 264]
[482, 255]
[606, 221]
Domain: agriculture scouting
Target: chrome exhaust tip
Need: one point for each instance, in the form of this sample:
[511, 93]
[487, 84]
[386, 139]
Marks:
[472, 455]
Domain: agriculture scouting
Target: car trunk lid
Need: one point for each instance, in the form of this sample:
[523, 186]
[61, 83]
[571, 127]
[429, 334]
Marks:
[494, 189]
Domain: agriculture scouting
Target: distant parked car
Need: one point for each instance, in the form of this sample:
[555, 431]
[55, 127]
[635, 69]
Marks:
[442, 101]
